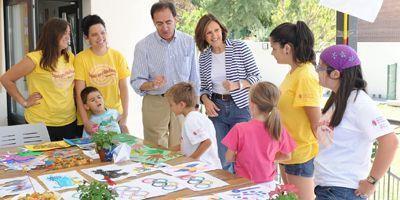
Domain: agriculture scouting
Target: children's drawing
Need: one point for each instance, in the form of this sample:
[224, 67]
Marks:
[78, 141]
[145, 154]
[47, 146]
[202, 181]
[19, 185]
[70, 195]
[61, 181]
[127, 138]
[17, 162]
[207, 197]
[188, 168]
[144, 168]
[113, 172]
[136, 190]
[256, 192]
[163, 182]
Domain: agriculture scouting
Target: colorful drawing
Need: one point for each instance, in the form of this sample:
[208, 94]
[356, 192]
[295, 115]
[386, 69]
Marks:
[113, 172]
[17, 162]
[145, 154]
[19, 185]
[189, 168]
[163, 182]
[70, 195]
[61, 181]
[127, 138]
[48, 146]
[78, 141]
[136, 190]
[202, 181]
[256, 192]
[144, 168]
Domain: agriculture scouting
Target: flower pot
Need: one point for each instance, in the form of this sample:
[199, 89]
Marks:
[105, 154]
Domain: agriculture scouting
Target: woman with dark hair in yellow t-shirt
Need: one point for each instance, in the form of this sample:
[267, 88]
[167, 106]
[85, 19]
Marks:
[49, 73]
[299, 103]
[104, 68]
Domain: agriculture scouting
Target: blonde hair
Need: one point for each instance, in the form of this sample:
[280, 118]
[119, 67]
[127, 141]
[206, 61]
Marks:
[182, 92]
[265, 96]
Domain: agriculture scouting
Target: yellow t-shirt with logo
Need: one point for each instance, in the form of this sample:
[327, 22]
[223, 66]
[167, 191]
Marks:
[57, 106]
[104, 73]
[299, 89]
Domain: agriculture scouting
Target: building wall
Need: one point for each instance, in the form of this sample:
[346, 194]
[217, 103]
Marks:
[127, 22]
[375, 57]
[3, 95]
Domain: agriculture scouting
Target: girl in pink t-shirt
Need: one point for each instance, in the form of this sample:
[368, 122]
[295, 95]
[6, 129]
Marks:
[254, 146]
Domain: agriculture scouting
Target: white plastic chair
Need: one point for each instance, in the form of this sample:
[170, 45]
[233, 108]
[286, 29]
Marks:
[25, 134]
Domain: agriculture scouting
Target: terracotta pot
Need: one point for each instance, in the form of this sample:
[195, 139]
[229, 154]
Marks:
[104, 154]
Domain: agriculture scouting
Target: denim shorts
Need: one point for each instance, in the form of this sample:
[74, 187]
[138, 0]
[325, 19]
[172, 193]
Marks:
[303, 169]
[335, 193]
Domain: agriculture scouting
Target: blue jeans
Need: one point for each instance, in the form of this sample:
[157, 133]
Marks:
[303, 169]
[228, 115]
[335, 193]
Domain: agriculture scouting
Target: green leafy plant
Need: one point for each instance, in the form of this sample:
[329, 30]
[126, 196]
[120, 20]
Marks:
[284, 192]
[103, 140]
[96, 190]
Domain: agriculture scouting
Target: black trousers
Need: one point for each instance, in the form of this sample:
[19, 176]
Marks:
[69, 131]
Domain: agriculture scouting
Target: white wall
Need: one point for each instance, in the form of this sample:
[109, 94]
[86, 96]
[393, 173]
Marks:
[3, 96]
[127, 22]
[375, 57]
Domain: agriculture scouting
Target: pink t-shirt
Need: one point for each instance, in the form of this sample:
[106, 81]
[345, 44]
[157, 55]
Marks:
[256, 150]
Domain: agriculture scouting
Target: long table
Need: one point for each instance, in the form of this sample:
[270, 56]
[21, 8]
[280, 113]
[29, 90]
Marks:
[233, 181]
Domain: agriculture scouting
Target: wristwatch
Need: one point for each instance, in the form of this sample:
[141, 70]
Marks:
[372, 180]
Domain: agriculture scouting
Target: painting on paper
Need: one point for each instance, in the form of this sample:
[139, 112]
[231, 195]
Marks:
[19, 185]
[146, 154]
[113, 172]
[47, 146]
[188, 168]
[61, 181]
[202, 181]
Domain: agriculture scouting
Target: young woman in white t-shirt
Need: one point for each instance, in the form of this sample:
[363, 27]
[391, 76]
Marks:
[350, 124]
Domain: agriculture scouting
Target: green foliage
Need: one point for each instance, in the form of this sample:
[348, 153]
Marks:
[321, 20]
[255, 19]
[103, 140]
[96, 190]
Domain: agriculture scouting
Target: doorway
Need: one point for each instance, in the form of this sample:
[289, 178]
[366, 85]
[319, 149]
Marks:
[23, 21]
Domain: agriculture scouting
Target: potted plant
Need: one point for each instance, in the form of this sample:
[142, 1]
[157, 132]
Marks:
[104, 144]
[96, 190]
[284, 192]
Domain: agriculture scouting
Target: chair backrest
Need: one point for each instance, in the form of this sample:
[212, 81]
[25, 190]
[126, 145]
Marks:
[18, 135]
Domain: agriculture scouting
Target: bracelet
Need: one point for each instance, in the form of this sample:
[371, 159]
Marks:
[240, 85]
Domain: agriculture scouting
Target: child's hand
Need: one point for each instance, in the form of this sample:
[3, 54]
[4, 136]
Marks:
[90, 127]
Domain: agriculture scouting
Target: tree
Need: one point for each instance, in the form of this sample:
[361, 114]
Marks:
[321, 20]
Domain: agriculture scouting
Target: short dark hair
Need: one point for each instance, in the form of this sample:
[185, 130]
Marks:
[89, 21]
[162, 5]
[299, 36]
[200, 31]
[85, 93]
[182, 92]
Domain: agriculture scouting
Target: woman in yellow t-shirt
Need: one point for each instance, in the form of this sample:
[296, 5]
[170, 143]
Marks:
[104, 68]
[49, 73]
[299, 103]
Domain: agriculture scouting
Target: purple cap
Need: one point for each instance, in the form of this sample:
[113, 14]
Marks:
[340, 57]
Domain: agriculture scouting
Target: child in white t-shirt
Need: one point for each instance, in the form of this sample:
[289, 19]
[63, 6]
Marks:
[104, 118]
[350, 124]
[198, 132]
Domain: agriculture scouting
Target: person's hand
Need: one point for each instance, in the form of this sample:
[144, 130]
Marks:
[158, 82]
[90, 127]
[32, 100]
[365, 189]
[211, 108]
[122, 125]
[230, 86]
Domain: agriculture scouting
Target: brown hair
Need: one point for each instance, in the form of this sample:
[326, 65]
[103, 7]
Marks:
[182, 92]
[265, 96]
[200, 31]
[48, 43]
[85, 93]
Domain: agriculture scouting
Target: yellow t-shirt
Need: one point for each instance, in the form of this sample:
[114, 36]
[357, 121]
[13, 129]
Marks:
[104, 73]
[300, 88]
[57, 106]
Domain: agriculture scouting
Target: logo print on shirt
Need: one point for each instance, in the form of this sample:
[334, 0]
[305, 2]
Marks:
[63, 77]
[103, 75]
